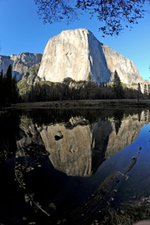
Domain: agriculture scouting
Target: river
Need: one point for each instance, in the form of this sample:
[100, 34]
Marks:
[54, 161]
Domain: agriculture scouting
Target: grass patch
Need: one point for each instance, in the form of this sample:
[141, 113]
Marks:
[33, 70]
[23, 87]
[133, 213]
[134, 84]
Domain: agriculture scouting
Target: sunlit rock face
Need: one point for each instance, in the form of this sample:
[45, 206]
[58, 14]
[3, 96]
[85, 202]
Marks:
[125, 135]
[20, 63]
[114, 140]
[70, 150]
[125, 68]
[79, 55]
[80, 151]
[28, 135]
[78, 148]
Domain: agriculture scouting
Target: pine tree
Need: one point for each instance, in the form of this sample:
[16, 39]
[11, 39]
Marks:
[10, 90]
[15, 92]
[1, 88]
[117, 86]
[8, 85]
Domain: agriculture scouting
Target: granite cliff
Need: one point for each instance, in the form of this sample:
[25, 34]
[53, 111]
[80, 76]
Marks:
[80, 148]
[79, 55]
[76, 54]
[20, 63]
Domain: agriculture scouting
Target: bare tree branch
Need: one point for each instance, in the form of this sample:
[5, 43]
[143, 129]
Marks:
[114, 15]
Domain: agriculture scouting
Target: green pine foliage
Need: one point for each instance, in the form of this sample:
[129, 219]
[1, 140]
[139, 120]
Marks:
[70, 89]
[8, 88]
[117, 86]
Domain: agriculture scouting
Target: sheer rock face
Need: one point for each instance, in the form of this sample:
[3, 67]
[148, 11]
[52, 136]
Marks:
[80, 150]
[20, 63]
[114, 142]
[79, 55]
[70, 150]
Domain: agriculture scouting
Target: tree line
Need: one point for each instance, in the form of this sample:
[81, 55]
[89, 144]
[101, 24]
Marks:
[70, 89]
[8, 88]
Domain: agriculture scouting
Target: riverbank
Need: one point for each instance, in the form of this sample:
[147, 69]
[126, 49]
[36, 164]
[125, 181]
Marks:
[85, 103]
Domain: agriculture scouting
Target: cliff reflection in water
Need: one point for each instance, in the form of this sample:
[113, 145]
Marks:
[78, 144]
[60, 157]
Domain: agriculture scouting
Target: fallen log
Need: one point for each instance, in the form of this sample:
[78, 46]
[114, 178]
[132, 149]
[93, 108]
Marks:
[94, 203]
[98, 199]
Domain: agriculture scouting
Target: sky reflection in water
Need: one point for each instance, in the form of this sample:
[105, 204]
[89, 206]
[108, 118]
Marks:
[138, 182]
[108, 142]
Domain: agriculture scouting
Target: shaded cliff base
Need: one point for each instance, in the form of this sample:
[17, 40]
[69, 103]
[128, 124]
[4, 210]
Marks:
[85, 103]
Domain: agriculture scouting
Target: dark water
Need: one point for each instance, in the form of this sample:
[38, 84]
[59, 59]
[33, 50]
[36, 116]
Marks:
[51, 161]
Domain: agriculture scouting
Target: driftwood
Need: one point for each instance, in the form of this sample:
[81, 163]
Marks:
[98, 199]
[95, 203]
[134, 160]
[19, 179]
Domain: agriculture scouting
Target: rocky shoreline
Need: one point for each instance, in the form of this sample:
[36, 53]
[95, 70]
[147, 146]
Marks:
[85, 103]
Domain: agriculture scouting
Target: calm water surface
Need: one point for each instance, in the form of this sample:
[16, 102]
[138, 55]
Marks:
[51, 161]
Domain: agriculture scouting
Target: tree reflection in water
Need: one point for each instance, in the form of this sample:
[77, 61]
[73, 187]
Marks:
[52, 161]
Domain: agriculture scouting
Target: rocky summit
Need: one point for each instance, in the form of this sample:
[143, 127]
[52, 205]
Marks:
[20, 63]
[76, 54]
[79, 55]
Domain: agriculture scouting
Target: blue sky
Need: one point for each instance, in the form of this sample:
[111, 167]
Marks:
[21, 30]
